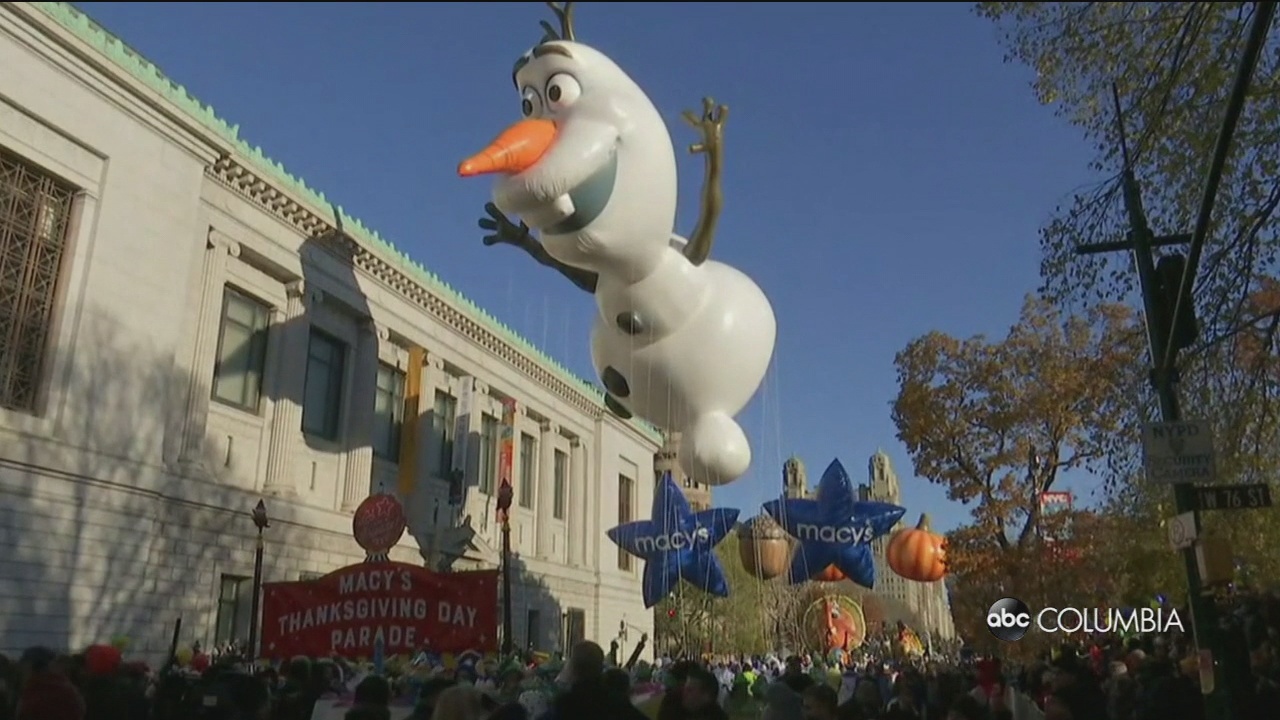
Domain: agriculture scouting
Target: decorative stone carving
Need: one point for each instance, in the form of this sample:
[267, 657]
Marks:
[224, 243]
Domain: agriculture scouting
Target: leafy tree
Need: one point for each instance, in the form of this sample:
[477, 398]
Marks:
[1172, 65]
[999, 423]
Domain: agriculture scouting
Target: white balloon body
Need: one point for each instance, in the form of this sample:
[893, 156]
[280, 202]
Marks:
[603, 197]
[703, 370]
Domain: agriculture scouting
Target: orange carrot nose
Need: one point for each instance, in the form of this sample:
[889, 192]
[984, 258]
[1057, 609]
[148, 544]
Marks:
[515, 150]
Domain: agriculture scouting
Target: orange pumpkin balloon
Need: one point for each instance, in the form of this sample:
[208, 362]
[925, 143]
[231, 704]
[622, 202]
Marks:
[918, 553]
[830, 574]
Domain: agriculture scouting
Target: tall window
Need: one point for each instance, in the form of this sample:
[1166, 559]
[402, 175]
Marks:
[388, 412]
[488, 453]
[242, 351]
[233, 609]
[443, 415]
[322, 401]
[626, 497]
[575, 628]
[533, 629]
[561, 489]
[528, 469]
[34, 211]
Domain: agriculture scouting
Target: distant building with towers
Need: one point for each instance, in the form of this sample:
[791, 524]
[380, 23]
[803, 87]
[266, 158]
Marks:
[698, 494]
[929, 601]
[795, 483]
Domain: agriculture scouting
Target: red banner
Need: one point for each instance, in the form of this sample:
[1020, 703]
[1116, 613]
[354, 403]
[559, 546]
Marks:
[410, 607]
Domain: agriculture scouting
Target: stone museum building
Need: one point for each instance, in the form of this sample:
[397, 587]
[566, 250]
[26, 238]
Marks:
[185, 329]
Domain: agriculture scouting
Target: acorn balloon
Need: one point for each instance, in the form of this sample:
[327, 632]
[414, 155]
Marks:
[918, 553]
[763, 547]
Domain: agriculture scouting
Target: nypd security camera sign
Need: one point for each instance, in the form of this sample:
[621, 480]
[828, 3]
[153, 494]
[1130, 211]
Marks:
[1009, 619]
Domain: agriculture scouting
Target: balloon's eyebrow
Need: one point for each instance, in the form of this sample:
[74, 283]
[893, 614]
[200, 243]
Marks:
[542, 50]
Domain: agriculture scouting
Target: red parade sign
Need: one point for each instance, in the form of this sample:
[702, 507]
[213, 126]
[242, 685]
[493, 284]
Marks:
[410, 607]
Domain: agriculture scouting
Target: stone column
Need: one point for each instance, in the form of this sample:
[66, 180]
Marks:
[544, 494]
[581, 496]
[288, 382]
[360, 415]
[193, 422]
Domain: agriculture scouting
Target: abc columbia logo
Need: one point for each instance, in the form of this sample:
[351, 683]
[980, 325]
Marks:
[1009, 619]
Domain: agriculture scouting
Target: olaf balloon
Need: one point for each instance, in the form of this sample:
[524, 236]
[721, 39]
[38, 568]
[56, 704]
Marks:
[679, 340]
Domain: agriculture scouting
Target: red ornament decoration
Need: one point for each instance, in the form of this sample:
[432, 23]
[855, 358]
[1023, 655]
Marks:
[102, 660]
[379, 523]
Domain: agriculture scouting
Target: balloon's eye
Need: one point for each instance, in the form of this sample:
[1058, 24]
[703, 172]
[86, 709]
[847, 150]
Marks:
[562, 91]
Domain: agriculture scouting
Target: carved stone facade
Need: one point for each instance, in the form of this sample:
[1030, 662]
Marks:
[929, 601]
[217, 335]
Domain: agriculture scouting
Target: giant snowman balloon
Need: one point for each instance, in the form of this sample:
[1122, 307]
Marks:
[680, 340]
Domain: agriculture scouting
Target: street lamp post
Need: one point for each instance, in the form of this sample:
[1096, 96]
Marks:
[261, 522]
[505, 494]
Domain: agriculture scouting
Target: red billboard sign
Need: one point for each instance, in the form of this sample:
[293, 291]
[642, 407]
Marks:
[409, 607]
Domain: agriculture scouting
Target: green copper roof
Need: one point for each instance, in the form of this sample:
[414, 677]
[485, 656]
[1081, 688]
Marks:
[146, 72]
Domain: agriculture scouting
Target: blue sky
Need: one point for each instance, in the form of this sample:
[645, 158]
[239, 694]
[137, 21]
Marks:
[887, 173]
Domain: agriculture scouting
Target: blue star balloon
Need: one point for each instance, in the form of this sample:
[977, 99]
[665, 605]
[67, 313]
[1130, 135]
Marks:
[834, 528]
[677, 543]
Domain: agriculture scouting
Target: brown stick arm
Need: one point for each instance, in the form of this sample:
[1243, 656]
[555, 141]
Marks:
[712, 203]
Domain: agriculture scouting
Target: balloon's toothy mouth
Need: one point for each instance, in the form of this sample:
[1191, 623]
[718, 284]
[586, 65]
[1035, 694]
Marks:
[589, 199]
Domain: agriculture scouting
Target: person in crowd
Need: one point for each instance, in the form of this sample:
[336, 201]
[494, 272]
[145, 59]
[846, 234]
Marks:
[509, 684]
[794, 676]
[617, 684]
[47, 693]
[967, 707]
[587, 695]
[296, 699]
[783, 703]
[677, 674]
[460, 702]
[509, 711]
[372, 700]
[821, 702]
[428, 695]
[903, 705]
[699, 698]
[865, 703]
[227, 693]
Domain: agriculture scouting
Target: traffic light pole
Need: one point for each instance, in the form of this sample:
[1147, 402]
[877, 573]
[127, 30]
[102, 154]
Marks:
[1141, 242]
[1169, 310]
